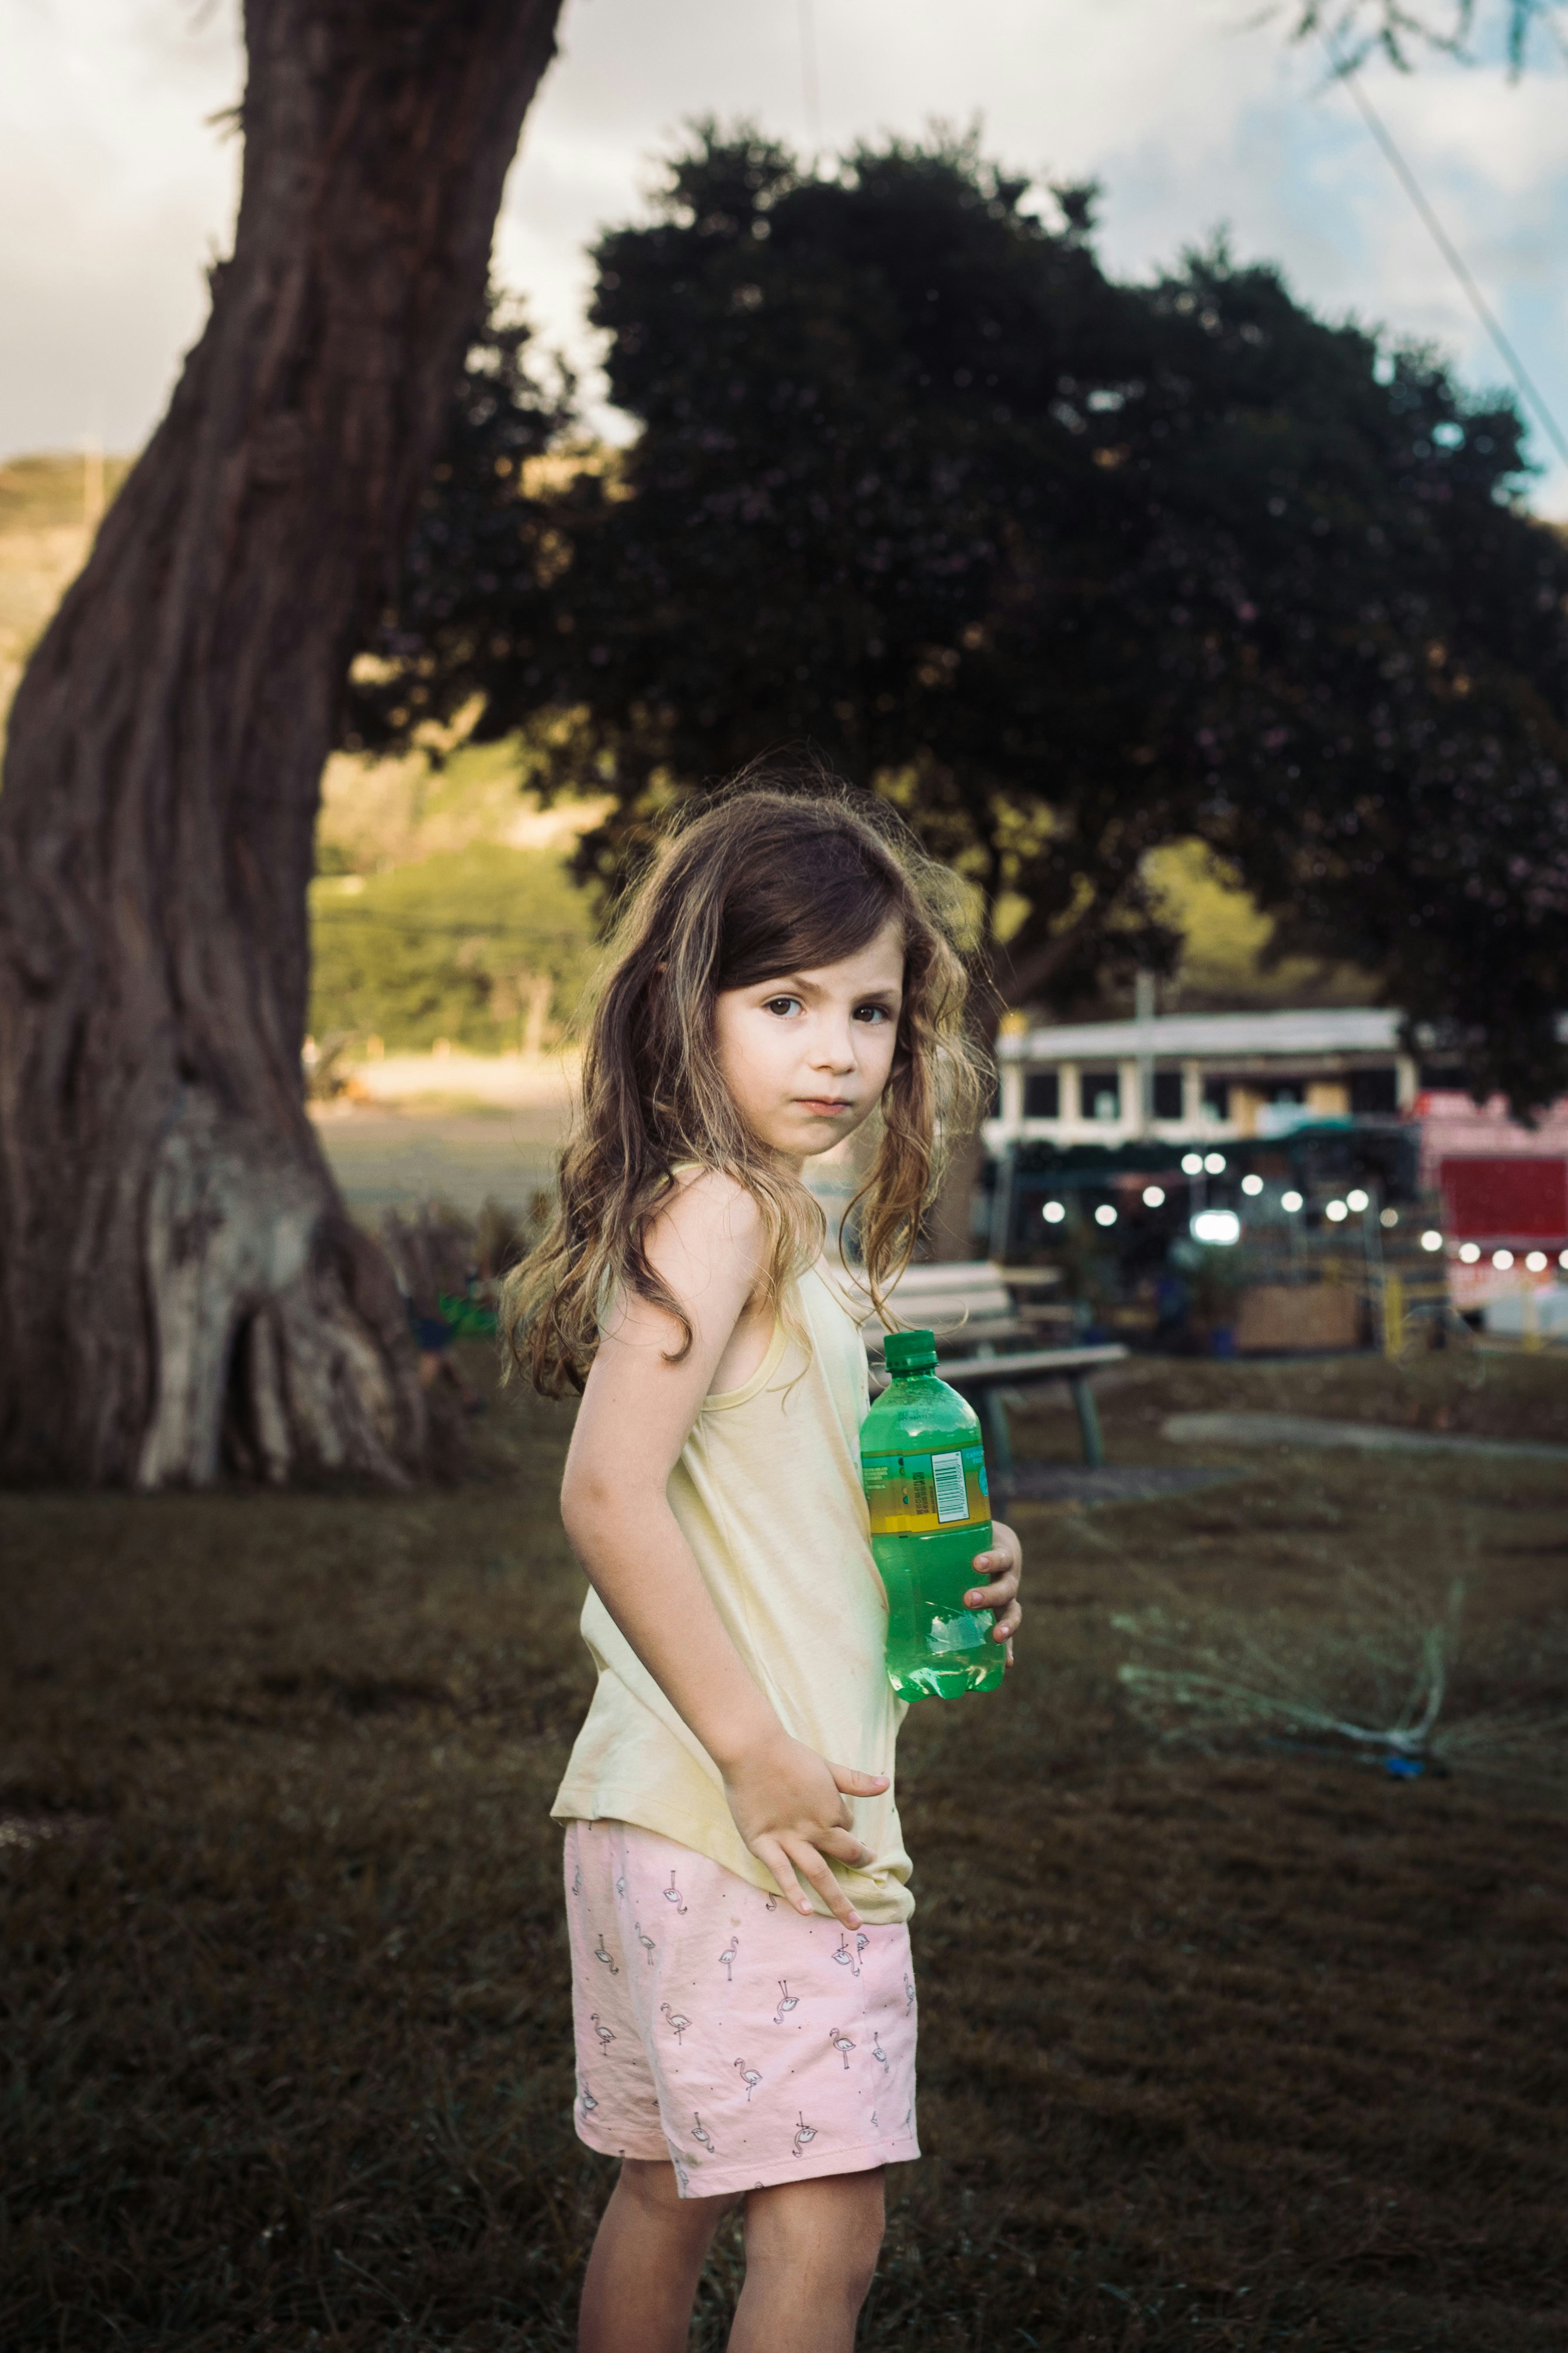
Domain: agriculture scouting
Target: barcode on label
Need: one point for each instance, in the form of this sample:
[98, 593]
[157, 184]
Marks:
[952, 1496]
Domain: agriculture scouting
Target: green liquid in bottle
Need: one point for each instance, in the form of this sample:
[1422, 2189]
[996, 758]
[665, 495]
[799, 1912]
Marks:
[923, 1468]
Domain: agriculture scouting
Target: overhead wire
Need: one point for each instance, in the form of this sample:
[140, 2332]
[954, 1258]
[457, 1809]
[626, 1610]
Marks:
[1350, 75]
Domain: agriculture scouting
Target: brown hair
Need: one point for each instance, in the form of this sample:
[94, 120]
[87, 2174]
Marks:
[761, 881]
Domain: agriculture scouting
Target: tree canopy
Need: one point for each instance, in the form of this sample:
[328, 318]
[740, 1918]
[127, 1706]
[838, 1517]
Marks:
[1402, 30]
[1065, 568]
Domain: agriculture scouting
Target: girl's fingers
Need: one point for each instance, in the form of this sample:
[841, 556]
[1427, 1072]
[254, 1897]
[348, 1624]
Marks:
[991, 1597]
[843, 1847]
[856, 1784]
[812, 1865]
[770, 1854]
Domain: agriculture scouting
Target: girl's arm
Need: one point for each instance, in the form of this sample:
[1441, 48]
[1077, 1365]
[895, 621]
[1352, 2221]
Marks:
[638, 1410]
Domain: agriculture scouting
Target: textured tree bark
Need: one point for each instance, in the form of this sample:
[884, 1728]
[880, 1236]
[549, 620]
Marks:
[178, 1280]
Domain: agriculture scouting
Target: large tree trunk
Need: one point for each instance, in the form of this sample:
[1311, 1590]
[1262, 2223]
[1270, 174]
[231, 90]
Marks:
[178, 1280]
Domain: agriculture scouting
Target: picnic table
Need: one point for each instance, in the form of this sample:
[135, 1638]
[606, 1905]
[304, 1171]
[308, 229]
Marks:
[984, 1339]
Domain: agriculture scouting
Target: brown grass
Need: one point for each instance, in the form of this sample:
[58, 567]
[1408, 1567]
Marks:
[1247, 2051]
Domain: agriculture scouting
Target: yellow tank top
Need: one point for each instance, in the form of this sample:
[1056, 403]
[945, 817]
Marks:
[767, 1493]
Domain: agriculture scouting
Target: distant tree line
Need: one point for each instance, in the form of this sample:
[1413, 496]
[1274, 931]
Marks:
[1067, 568]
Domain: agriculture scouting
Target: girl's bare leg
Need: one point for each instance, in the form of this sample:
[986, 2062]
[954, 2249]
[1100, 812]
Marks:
[642, 2275]
[811, 2252]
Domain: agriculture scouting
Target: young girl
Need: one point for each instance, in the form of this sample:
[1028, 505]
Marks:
[736, 1880]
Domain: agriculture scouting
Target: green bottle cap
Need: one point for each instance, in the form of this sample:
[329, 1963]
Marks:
[910, 1352]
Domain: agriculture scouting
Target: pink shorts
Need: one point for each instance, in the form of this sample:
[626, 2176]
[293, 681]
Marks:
[722, 2031]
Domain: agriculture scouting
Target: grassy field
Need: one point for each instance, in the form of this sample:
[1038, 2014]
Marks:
[1240, 2050]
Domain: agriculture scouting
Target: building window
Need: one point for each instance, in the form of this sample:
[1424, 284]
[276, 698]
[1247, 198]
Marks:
[1099, 1092]
[1042, 1095]
[1375, 1093]
[1167, 1094]
[1217, 1098]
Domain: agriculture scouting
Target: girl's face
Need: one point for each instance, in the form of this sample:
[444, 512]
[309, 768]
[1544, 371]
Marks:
[808, 1054]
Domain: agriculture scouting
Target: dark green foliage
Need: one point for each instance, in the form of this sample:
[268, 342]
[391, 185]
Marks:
[1402, 31]
[1067, 569]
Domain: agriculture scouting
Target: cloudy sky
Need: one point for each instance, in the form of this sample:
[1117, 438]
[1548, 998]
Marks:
[116, 187]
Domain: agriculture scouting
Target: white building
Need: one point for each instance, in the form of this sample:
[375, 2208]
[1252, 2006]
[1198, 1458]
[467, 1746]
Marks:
[1185, 1078]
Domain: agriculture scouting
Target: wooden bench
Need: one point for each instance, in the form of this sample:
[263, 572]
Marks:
[971, 1309]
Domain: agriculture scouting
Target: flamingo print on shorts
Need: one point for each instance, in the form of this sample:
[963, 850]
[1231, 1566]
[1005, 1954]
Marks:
[676, 2019]
[728, 1958]
[605, 2033]
[845, 1957]
[803, 2132]
[787, 2001]
[700, 2132]
[749, 2076]
[672, 1895]
[843, 2045]
[588, 2102]
[601, 1955]
[878, 2053]
[908, 1993]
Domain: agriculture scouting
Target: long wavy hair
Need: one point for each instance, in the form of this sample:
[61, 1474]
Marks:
[763, 881]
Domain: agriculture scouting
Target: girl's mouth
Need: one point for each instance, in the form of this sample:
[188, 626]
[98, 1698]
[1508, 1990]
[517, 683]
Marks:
[824, 1106]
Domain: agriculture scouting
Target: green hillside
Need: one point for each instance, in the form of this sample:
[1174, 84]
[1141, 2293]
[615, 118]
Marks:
[488, 947]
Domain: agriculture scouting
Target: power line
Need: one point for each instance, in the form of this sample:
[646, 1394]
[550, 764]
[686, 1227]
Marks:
[1350, 77]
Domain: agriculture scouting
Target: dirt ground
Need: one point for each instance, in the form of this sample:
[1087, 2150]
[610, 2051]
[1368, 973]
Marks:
[1253, 2048]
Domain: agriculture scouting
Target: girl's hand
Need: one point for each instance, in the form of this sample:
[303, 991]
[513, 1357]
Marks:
[788, 1804]
[1003, 1566]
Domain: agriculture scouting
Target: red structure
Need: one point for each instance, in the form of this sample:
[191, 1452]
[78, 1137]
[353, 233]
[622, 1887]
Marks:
[1515, 1198]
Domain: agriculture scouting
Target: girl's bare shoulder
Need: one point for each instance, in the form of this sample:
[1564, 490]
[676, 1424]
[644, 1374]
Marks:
[711, 1218]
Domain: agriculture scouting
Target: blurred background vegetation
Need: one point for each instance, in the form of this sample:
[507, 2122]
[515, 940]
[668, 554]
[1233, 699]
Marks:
[443, 908]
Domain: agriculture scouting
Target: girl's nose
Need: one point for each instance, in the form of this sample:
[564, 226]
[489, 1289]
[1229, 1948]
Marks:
[836, 1051]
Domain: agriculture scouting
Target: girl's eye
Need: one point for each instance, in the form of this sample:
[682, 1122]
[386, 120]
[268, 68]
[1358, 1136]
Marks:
[872, 1013]
[782, 1006]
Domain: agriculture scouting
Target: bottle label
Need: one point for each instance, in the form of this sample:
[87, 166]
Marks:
[916, 1494]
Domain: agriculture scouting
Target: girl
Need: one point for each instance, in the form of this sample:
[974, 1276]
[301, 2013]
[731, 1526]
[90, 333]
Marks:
[735, 1874]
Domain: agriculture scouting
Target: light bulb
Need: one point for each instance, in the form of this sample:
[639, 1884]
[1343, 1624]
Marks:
[1337, 1211]
[1290, 1201]
[1469, 1253]
[1356, 1200]
[1054, 1213]
[1192, 1164]
[1252, 1185]
[1154, 1197]
[1502, 1261]
[1105, 1214]
[1431, 1239]
[1213, 1163]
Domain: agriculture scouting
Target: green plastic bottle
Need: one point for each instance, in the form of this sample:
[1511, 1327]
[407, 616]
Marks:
[923, 1468]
